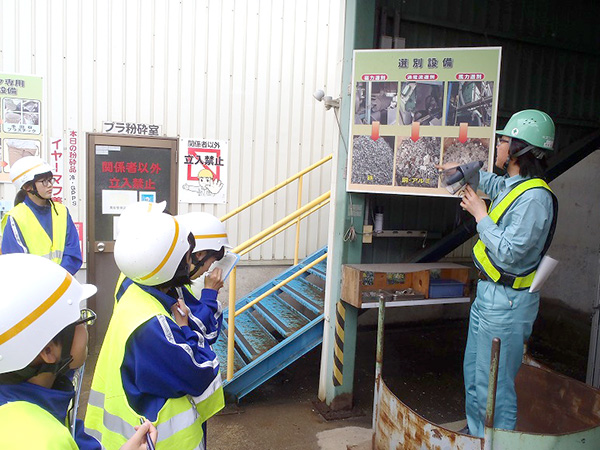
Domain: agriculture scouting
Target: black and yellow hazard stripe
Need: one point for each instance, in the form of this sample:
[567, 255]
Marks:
[338, 350]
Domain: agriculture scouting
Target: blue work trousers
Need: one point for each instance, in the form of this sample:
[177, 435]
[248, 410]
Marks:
[498, 311]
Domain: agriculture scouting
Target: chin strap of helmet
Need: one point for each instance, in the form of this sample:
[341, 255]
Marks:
[35, 192]
[198, 264]
[522, 151]
[518, 153]
[58, 368]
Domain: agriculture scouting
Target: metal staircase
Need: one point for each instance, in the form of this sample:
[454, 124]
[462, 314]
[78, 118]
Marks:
[278, 330]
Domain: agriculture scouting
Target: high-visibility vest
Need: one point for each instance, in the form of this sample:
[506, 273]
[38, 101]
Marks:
[27, 425]
[36, 239]
[110, 418]
[217, 397]
[481, 255]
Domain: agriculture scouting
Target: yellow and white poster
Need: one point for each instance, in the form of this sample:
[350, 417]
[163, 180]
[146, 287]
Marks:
[20, 120]
[413, 109]
[203, 171]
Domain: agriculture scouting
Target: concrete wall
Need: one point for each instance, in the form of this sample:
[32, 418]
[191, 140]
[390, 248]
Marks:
[577, 239]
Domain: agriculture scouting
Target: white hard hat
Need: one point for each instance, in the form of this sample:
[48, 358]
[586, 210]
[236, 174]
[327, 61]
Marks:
[132, 212]
[209, 232]
[25, 169]
[150, 250]
[32, 313]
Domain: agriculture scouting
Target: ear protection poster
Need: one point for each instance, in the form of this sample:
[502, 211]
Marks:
[413, 109]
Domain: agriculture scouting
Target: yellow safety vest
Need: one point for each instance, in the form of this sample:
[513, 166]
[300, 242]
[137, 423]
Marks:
[216, 397]
[481, 255]
[110, 418]
[36, 239]
[26, 425]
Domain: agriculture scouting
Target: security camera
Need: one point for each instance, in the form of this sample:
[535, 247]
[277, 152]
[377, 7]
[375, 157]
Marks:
[319, 94]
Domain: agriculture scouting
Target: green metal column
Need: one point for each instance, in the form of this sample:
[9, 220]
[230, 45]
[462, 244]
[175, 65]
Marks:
[336, 382]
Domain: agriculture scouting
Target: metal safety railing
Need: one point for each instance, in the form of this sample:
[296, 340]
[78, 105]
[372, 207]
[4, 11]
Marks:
[290, 220]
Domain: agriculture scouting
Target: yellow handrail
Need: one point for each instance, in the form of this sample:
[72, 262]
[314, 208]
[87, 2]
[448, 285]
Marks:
[265, 235]
[275, 188]
[275, 233]
[283, 283]
[282, 222]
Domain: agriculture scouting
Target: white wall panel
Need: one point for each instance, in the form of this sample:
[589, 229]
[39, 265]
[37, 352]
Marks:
[237, 70]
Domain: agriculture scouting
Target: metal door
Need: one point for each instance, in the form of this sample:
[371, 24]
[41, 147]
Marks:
[121, 170]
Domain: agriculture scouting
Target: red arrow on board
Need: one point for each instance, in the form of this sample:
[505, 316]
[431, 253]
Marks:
[462, 132]
[414, 131]
[3, 164]
[375, 131]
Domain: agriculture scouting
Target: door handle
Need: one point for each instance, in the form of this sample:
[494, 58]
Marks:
[100, 246]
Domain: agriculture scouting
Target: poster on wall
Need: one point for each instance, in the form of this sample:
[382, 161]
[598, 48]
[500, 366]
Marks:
[56, 161]
[20, 120]
[203, 171]
[415, 108]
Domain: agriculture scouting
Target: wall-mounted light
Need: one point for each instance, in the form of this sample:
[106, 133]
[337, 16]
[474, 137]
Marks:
[327, 100]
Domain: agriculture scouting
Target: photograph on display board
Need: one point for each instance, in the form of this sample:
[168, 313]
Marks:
[21, 115]
[421, 102]
[15, 149]
[416, 161]
[475, 149]
[373, 160]
[470, 102]
[382, 105]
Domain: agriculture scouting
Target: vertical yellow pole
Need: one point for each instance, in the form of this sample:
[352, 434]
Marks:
[298, 221]
[231, 325]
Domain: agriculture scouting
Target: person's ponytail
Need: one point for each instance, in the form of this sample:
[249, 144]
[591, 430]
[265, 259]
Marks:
[20, 197]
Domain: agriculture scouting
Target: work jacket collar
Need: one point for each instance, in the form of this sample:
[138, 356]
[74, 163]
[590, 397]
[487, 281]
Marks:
[37, 208]
[166, 300]
[55, 400]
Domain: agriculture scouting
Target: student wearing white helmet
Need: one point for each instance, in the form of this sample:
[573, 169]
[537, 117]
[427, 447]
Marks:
[43, 334]
[152, 363]
[211, 244]
[36, 224]
[130, 217]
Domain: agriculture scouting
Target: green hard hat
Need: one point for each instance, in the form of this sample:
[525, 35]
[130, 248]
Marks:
[532, 126]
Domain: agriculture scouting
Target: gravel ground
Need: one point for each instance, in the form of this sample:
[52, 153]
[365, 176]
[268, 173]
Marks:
[472, 150]
[415, 162]
[372, 161]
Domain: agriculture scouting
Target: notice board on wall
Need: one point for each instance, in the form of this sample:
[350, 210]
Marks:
[124, 175]
[413, 109]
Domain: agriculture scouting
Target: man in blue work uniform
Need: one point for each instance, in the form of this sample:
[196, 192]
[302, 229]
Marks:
[36, 224]
[514, 235]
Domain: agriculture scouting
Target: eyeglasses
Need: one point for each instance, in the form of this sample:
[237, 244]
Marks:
[88, 317]
[47, 182]
[501, 141]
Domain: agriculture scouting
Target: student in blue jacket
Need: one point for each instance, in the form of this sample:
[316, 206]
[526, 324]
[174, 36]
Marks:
[43, 334]
[36, 224]
[153, 364]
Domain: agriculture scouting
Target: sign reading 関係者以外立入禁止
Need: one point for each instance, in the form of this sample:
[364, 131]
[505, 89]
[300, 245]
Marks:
[21, 133]
[203, 171]
[413, 109]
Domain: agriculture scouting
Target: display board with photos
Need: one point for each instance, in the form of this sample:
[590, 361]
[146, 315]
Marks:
[413, 109]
